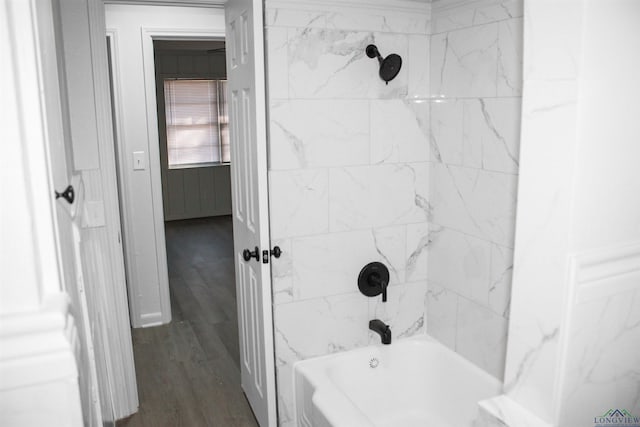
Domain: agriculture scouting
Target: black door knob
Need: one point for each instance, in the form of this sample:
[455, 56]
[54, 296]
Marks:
[276, 251]
[68, 194]
[247, 254]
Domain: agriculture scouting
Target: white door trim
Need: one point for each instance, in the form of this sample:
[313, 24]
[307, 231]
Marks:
[125, 390]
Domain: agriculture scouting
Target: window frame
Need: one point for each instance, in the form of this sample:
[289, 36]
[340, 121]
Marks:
[220, 87]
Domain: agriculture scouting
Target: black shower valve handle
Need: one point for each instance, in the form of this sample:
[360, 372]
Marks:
[375, 280]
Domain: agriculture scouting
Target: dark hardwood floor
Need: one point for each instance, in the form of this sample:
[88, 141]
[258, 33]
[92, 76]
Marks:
[188, 371]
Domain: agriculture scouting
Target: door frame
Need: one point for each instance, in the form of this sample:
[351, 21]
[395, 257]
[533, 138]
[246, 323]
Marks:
[123, 386]
[148, 37]
[149, 34]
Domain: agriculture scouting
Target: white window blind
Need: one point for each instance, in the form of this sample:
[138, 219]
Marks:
[197, 122]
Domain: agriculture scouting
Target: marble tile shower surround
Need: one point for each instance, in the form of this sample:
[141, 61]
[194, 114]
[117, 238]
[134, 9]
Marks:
[471, 77]
[453, 15]
[348, 175]
[361, 171]
[476, 86]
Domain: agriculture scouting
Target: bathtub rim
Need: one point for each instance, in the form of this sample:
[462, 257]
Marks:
[354, 414]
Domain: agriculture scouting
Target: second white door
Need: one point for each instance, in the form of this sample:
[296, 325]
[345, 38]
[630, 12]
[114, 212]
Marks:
[247, 117]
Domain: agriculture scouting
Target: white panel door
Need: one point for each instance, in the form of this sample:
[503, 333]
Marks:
[67, 210]
[247, 116]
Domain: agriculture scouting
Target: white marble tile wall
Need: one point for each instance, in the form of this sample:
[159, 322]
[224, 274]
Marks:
[482, 60]
[476, 86]
[348, 175]
[544, 221]
[448, 15]
[574, 332]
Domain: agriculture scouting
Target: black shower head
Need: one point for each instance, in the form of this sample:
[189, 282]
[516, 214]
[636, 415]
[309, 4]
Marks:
[389, 66]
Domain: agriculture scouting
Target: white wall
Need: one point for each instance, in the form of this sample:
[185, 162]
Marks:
[132, 28]
[476, 87]
[348, 174]
[19, 246]
[607, 188]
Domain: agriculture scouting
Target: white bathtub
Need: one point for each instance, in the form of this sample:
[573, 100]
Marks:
[412, 382]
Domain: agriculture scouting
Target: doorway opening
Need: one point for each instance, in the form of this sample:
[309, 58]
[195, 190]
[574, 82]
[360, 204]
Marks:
[188, 370]
[140, 152]
[193, 128]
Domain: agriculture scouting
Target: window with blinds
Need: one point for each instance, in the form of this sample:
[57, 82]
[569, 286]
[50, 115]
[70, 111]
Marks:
[197, 122]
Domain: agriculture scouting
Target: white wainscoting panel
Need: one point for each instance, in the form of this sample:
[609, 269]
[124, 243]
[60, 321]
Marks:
[602, 333]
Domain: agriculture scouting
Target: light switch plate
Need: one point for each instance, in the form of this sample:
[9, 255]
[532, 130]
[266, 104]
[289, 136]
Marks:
[139, 161]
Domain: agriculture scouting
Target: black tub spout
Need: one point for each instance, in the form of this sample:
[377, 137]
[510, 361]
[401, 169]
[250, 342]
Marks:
[381, 328]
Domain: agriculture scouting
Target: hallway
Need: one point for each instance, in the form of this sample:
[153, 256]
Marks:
[188, 371]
